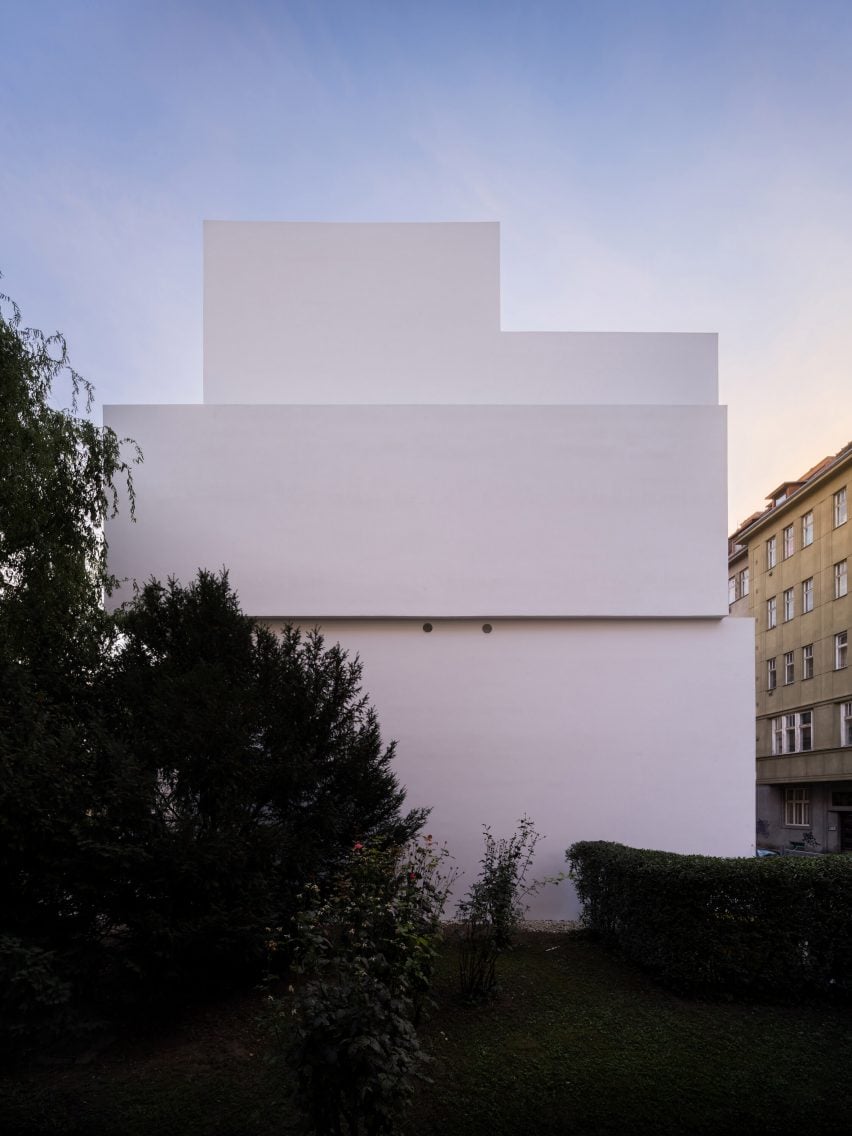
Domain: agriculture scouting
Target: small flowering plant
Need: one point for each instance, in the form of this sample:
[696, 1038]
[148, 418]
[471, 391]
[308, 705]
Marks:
[366, 950]
[385, 906]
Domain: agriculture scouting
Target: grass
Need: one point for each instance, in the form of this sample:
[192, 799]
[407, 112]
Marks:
[582, 1043]
[578, 1042]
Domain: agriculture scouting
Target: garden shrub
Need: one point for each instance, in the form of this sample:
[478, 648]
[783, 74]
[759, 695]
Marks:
[366, 950]
[780, 925]
[494, 906]
[34, 998]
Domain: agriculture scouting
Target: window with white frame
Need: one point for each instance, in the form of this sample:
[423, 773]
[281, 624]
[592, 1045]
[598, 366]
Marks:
[792, 733]
[840, 650]
[808, 660]
[806, 729]
[790, 745]
[771, 612]
[744, 582]
[840, 507]
[805, 726]
[777, 728]
[788, 546]
[789, 668]
[732, 589]
[807, 529]
[789, 604]
[846, 723]
[771, 552]
[771, 675]
[808, 594]
[797, 808]
[840, 579]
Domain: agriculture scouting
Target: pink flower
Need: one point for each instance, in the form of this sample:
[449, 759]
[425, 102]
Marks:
[358, 847]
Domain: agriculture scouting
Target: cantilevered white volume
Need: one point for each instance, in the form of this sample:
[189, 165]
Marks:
[373, 454]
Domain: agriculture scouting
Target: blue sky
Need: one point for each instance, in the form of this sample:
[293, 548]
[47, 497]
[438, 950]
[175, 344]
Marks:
[654, 165]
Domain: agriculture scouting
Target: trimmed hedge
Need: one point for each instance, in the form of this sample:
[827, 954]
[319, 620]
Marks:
[705, 923]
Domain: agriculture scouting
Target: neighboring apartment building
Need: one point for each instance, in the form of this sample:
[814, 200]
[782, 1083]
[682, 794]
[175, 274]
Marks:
[739, 573]
[483, 516]
[796, 557]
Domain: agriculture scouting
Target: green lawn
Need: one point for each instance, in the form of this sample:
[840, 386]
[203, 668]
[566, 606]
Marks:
[578, 1042]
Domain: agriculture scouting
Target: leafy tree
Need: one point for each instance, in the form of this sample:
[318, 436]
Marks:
[57, 484]
[170, 776]
[57, 474]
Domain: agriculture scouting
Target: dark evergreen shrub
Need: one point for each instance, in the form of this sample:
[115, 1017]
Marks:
[262, 763]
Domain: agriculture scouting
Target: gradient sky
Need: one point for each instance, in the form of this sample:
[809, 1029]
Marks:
[656, 165]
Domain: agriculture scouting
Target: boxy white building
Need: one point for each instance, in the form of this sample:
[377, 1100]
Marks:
[522, 534]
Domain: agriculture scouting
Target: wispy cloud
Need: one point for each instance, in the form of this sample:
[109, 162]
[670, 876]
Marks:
[660, 166]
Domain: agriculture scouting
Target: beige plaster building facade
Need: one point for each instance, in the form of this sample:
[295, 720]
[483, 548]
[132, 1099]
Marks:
[788, 568]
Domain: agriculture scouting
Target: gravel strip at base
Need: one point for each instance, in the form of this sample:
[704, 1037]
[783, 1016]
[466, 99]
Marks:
[535, 926]
[549, 926]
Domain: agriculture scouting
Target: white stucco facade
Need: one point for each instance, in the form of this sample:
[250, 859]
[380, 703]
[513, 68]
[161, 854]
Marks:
[373, 453]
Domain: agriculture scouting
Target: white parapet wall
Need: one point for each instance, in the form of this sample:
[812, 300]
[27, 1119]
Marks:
[373, 453]
[393, 313]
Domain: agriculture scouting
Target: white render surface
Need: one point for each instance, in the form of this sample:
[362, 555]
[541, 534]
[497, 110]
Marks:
[632, 731]
[434, 511]
[408, 313]
[374, 452]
